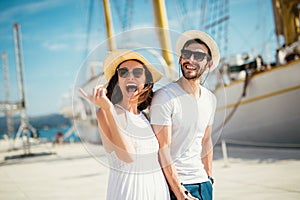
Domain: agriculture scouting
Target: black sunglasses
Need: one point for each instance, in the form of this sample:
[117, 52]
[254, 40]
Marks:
[186, 54]
[124, 72]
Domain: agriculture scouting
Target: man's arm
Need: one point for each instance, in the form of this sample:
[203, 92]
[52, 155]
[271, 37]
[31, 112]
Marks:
[207, 151]
[163, 134]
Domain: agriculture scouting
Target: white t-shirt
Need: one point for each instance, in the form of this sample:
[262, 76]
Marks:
[188, 117]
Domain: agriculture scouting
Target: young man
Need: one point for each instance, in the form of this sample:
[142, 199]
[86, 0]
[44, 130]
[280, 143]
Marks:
[182, 114]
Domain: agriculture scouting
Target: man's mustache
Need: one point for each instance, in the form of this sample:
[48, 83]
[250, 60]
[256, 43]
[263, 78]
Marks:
[189, 63]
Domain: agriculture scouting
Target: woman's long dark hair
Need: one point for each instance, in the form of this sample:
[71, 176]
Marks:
[114, 93]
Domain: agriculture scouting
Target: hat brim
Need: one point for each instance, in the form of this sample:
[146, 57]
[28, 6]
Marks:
[204, 37]
[116, 57]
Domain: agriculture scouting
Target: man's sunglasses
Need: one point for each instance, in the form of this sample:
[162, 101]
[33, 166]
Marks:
[124, 72]
[186, 54]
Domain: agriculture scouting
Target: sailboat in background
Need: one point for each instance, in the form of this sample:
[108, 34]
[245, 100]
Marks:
[262, 103]
[257, 101]
[152, 42]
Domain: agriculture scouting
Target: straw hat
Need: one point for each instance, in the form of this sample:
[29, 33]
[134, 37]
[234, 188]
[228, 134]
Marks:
[116, 57]
[204, 37]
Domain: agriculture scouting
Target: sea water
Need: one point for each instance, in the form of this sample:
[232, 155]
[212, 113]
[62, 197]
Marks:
[49, 135]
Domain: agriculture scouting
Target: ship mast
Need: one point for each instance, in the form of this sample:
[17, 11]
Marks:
[109, 25]
[287, 20]
[161, 21]
[25, 127]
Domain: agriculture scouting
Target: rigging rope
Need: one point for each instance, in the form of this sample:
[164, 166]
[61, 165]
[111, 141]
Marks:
[90, 15]
[125, 17]
[250, 143]
[247, 79]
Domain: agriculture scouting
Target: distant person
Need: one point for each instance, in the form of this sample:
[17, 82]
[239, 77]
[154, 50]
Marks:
[5, 137]
[130, 143]
[59, 138]
[36, 135]
[182, 115]
[281, 55]
[259, 63]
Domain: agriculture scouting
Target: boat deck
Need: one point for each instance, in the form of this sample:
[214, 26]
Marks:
[68, 171]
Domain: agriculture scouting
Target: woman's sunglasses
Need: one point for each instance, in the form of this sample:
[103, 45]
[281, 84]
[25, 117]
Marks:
[186, 54]
[124, 72]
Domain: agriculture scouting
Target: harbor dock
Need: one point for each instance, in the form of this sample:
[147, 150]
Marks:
[70, 171]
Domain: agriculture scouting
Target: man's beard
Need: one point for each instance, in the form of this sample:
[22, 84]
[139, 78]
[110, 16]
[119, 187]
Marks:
[199, 71]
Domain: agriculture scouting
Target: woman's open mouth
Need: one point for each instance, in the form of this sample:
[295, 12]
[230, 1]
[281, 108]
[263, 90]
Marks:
[131, 88]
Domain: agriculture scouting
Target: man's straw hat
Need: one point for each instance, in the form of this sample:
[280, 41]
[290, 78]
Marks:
[116, 57]
[204, 37]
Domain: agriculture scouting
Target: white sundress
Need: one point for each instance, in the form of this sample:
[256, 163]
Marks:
[143, 178]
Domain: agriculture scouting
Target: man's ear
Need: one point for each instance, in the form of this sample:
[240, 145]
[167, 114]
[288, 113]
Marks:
[179, 60]
[209, 64]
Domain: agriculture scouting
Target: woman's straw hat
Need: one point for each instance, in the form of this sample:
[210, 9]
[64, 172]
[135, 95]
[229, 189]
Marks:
[204, 37]
[116, 57]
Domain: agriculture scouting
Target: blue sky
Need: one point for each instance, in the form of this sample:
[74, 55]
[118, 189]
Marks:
[55, 39]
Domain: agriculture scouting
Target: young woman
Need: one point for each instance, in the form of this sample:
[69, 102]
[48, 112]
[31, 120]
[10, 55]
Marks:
[130, 143]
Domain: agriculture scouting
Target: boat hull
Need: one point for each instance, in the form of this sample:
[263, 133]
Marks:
[269, 113]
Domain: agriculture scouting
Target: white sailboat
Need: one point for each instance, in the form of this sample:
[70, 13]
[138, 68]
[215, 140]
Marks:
[152, 42]
[267, 115]
[258, 106]
[262, 107]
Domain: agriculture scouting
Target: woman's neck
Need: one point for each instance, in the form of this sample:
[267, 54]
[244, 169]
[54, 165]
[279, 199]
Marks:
[129, 106]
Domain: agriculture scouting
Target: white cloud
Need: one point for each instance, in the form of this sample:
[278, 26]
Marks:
[72, 36]
[29, 8]
[55, 46]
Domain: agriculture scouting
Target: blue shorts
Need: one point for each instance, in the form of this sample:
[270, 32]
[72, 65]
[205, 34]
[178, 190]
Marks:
[203, 191]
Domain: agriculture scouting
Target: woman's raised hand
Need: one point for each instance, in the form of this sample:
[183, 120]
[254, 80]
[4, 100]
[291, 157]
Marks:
[99, 97]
